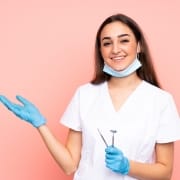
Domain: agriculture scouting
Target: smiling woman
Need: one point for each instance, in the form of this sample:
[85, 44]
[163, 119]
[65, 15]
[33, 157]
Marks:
[125, 98]
[119, 46]
[117, 49]
[122, 41]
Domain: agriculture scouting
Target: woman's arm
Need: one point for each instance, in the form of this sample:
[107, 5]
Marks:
[67, 156]
[160, 170]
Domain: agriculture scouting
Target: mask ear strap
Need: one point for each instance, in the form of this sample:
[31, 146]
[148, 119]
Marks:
[138, 51]
[138, 56]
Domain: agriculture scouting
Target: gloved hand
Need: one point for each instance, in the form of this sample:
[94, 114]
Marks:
[27, 112]
[116, 161]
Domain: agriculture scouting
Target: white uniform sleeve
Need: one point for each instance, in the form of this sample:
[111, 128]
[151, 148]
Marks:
[71, 116]
[169, 127]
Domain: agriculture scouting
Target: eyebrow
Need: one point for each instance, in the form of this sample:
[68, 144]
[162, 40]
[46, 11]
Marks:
[119, 36]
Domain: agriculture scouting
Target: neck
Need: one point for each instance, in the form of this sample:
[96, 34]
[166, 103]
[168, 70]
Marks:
[131, 80]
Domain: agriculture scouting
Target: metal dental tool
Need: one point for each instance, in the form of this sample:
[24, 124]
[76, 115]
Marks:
[113, 132]
[102, 138]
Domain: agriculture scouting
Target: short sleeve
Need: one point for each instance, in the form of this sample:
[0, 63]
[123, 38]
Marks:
[169, 126]
[71, 116]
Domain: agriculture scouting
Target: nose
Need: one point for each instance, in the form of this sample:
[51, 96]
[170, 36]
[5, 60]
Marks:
[116, 48]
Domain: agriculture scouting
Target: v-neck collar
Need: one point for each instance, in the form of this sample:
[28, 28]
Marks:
[109, 99]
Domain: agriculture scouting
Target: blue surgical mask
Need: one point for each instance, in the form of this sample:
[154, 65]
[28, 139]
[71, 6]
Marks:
[136, 64]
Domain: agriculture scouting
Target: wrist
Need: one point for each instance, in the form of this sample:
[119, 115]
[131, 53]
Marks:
[39, 123]
[126, 166]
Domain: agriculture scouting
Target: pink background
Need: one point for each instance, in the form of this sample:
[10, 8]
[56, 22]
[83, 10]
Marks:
[46, 51]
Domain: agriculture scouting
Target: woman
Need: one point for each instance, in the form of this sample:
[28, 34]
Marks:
[121, 124]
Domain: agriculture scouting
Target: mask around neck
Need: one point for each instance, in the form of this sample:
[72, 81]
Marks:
[136, 64]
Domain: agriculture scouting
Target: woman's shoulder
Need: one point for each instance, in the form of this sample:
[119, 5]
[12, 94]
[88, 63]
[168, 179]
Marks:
[89, 90]
[90, 87]
[154, 90]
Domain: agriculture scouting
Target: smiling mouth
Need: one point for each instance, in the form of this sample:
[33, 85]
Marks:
[118, 58]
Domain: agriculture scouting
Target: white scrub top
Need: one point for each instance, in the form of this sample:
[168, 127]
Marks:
[148, 116]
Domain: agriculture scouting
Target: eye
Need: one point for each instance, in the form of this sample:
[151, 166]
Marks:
[106, 43]
[124, 41]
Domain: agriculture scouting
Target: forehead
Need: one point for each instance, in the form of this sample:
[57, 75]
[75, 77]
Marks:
[115, 29]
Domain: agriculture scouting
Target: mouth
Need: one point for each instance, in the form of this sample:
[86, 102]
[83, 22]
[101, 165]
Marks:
[117, 58]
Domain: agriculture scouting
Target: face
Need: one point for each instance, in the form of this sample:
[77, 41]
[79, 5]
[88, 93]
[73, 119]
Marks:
[118, 45]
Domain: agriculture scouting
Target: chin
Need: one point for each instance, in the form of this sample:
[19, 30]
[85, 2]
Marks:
[119, 69]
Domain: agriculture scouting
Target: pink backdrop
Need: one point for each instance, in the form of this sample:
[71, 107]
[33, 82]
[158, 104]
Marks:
[46, 51]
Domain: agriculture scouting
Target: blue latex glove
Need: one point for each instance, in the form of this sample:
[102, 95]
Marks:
[116, 161]
[27, 112]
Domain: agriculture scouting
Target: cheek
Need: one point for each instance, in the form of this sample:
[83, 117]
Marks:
[104, 52]
[133, 48]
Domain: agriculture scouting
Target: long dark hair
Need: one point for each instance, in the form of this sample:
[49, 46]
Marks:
[146, 72]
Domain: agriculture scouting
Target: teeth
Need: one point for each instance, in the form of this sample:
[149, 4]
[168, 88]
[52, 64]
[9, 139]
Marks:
[117, 58]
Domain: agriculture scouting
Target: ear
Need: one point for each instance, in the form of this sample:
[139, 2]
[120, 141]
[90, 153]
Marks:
[138, 48]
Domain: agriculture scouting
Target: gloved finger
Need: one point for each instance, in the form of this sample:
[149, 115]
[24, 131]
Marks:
[15, 108]
[110, 161]
[23, 100]
[114, 157]
[113, 150]
[112, 167]
[109, 166]
[110, 156]
[116, 167]
[6, 102]
[109, 149]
